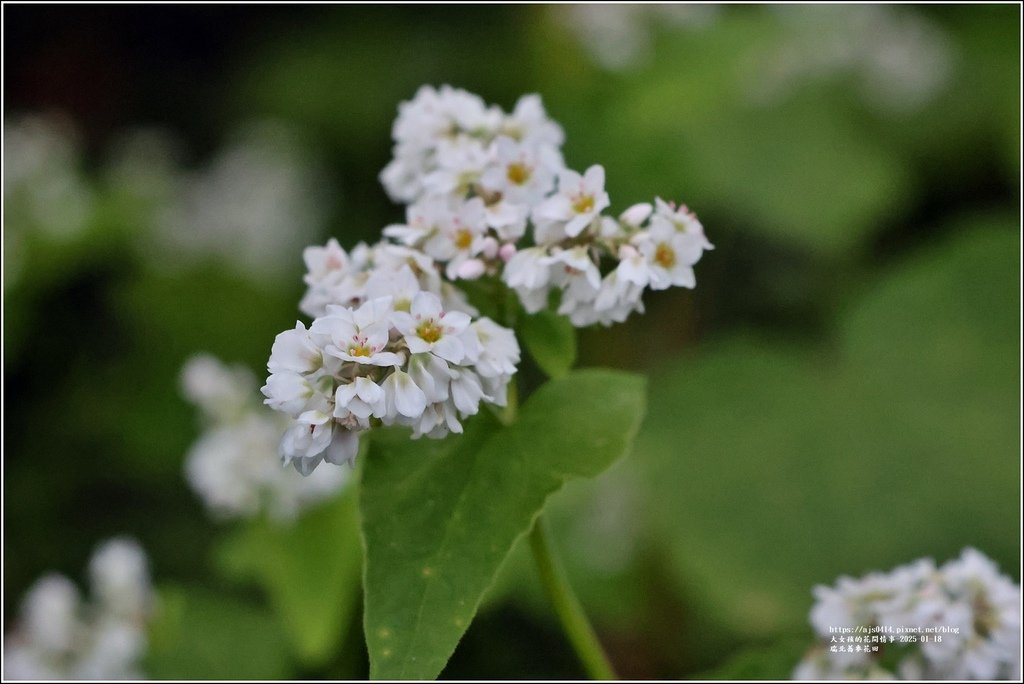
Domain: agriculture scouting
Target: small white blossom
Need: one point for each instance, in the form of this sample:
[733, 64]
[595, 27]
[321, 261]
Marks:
[969, 614]
[60, 636]
[580, 199]
[235, 465]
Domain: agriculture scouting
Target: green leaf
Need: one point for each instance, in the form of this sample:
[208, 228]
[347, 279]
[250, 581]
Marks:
[440, 517]
[774, 468]
[310, 571]
[551, 340]
[198, 634]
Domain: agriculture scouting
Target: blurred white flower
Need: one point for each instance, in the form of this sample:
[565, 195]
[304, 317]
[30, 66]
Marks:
[900, 58]
[620, 36]
[258, 199]
[58, 636]
[234, 465]
[962, 621]
[44, 188]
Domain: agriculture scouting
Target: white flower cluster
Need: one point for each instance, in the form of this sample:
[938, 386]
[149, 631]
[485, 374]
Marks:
[59, 636]
[900, 58]
[397, 359]
[477, 178]
[234, 466]
[975, 609]
[257, 198]
[45, 191]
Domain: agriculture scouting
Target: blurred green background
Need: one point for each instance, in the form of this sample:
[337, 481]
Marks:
[839, 394]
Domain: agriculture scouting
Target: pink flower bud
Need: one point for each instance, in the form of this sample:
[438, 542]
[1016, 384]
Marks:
[471, 269]
[489, 247]
[507, 251]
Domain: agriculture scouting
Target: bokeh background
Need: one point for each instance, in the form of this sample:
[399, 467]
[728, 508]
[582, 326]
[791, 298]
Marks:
[839, 394]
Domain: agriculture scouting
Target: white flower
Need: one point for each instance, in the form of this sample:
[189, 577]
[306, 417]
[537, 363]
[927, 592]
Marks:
[305, 442]
[119, 572]
[221, 392]
[529, 123]
[59, 636]
[50, 613]
[460, 238]
[431, 375]
[294, 351]
[670, 255]
[521, 173]
[362, 398]
[258, 198]
[359, 335]
[429, 328]
[404, 396]
[977, 609]
[580, 199]
[683, 220]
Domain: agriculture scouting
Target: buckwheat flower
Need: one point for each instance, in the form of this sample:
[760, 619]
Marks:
[670, 256]
[683, 220]
[528, 272]
[466, 391]
[259, 197]
[362, 398]
[968, 614]
[359, 335]
[520, 172]
[459, 164]
[234, 465]
[460, 238]
[423, 219]
[43, 186]
[294, 351]
[115, 647]
[431, 375]
[617, 298]
[580, 199]
[429, 328]
[219, 391]
[401, 287]
[986, 605]
[61, 636]
[529, 123]
[499, 349]
[50, 613]
[404, 396]
[305, 442]
[119, 572]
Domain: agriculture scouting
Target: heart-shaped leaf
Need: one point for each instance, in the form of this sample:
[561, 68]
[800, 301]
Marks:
[440, 517]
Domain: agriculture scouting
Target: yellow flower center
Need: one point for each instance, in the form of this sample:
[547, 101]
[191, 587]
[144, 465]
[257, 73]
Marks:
[519, 173]
[583, 204]
[429, 331]
[359, 350]
[664, 256]
[463, 238]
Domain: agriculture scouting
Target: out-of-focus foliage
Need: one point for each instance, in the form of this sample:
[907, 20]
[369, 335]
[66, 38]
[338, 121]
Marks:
[311, 572]
[839, 393]
[794, 466]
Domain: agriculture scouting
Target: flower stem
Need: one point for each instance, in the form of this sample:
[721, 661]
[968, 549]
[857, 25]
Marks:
[567, 606]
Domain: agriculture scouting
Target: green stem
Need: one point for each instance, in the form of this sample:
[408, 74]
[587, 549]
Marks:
[567, 606]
